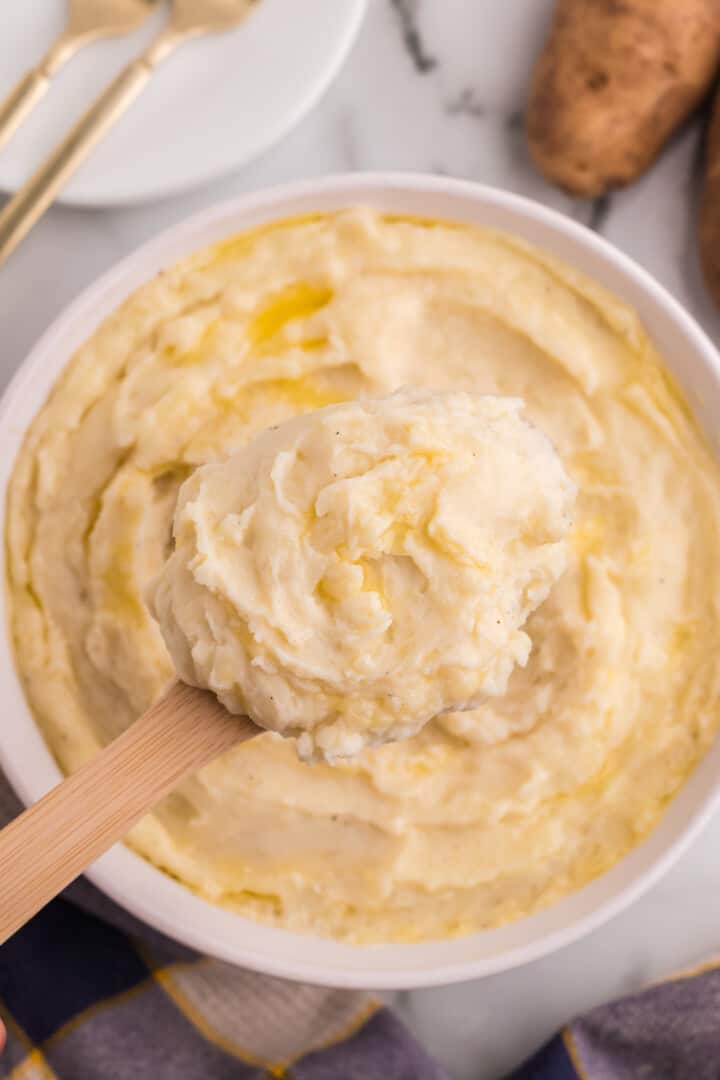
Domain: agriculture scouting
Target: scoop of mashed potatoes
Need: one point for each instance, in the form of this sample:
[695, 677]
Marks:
[356, 571]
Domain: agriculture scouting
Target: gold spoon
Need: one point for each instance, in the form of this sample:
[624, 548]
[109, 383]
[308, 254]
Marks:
[88, 20]
[190, 19]
[48, 845]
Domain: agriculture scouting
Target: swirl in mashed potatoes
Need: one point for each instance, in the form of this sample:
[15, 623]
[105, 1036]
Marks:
[484, 816]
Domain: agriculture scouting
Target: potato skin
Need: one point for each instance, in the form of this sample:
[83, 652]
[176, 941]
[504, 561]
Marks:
[614, 80]
[709, 226]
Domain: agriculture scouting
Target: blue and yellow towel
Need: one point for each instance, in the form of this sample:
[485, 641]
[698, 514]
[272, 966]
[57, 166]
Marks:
[87, 993]
[84, 1000]
[81, 1000]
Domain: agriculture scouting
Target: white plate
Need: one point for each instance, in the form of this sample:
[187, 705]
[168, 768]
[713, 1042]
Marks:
[154, 896]
[210, 108]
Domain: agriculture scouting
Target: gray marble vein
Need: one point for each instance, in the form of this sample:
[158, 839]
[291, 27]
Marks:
[466, 103]
[599, 211]
[515, 120]
[407, 13]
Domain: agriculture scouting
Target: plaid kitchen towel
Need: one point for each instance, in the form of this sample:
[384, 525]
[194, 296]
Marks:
[88, 993]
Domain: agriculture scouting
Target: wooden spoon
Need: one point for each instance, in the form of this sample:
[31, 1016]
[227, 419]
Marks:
[52, 842]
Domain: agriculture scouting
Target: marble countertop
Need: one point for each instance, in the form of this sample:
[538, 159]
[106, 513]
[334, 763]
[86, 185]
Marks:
[439, 87]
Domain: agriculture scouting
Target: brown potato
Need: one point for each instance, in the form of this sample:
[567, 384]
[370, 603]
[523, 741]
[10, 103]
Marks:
[710, 208]
[615, 79]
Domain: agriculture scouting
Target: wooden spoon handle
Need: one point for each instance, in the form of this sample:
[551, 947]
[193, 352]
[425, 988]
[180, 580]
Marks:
[57, 838]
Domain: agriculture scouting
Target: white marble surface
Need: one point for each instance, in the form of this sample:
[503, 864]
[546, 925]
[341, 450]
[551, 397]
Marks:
[439, 86]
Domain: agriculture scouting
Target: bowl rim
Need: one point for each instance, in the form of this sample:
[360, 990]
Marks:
[149, 893]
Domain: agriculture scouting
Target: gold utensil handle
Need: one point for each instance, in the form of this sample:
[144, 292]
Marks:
[20, 101]
[32, 86]
[32, 200]
[56, 839]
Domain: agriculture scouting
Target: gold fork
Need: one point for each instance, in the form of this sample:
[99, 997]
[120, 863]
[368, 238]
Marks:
[190, 19]
[88, 20]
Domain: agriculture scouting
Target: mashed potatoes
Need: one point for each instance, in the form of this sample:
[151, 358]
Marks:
[358, 570]
[484, 816]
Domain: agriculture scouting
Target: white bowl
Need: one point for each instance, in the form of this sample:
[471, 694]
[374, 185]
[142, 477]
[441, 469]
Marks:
[152, 895]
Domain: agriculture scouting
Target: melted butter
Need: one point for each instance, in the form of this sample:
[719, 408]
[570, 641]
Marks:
[305, 394]
[296, 301]
[420, 221]
[588, 536]
[198, 353]
[585, 587]
[682, 638]
[242, 244]
[663, 389]
[587, 471]
[311, 344]
[119, 589]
